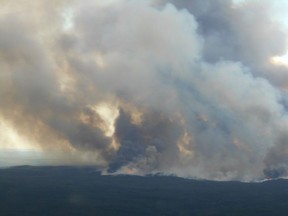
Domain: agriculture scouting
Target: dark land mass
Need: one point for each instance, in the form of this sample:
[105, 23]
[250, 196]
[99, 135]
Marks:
[82, 191]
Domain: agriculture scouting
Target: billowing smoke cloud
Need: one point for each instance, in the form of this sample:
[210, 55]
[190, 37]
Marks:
[177, 87]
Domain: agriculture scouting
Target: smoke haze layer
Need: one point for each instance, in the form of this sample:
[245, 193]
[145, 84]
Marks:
[191, 88]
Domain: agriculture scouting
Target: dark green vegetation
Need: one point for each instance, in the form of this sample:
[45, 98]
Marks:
[68, 191]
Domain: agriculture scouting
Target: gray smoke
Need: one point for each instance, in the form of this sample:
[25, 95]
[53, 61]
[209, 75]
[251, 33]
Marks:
[177, 87]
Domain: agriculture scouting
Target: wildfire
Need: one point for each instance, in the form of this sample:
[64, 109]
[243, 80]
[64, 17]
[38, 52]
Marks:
[11, 140]
[280, 60]
[108, 114]
[184, 145]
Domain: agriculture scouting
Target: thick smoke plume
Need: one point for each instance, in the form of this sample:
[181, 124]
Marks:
[189, 88]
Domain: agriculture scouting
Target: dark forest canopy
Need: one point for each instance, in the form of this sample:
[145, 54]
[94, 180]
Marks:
[58, 191]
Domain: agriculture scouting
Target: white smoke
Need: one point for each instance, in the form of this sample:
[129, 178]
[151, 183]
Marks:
[146, 87]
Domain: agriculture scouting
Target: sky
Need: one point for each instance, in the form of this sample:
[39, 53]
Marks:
[193, 88]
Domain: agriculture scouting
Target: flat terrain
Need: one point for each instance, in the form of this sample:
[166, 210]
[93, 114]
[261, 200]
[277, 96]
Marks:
[80, 191]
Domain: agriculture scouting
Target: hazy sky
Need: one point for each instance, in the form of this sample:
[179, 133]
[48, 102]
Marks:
[195, 88]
